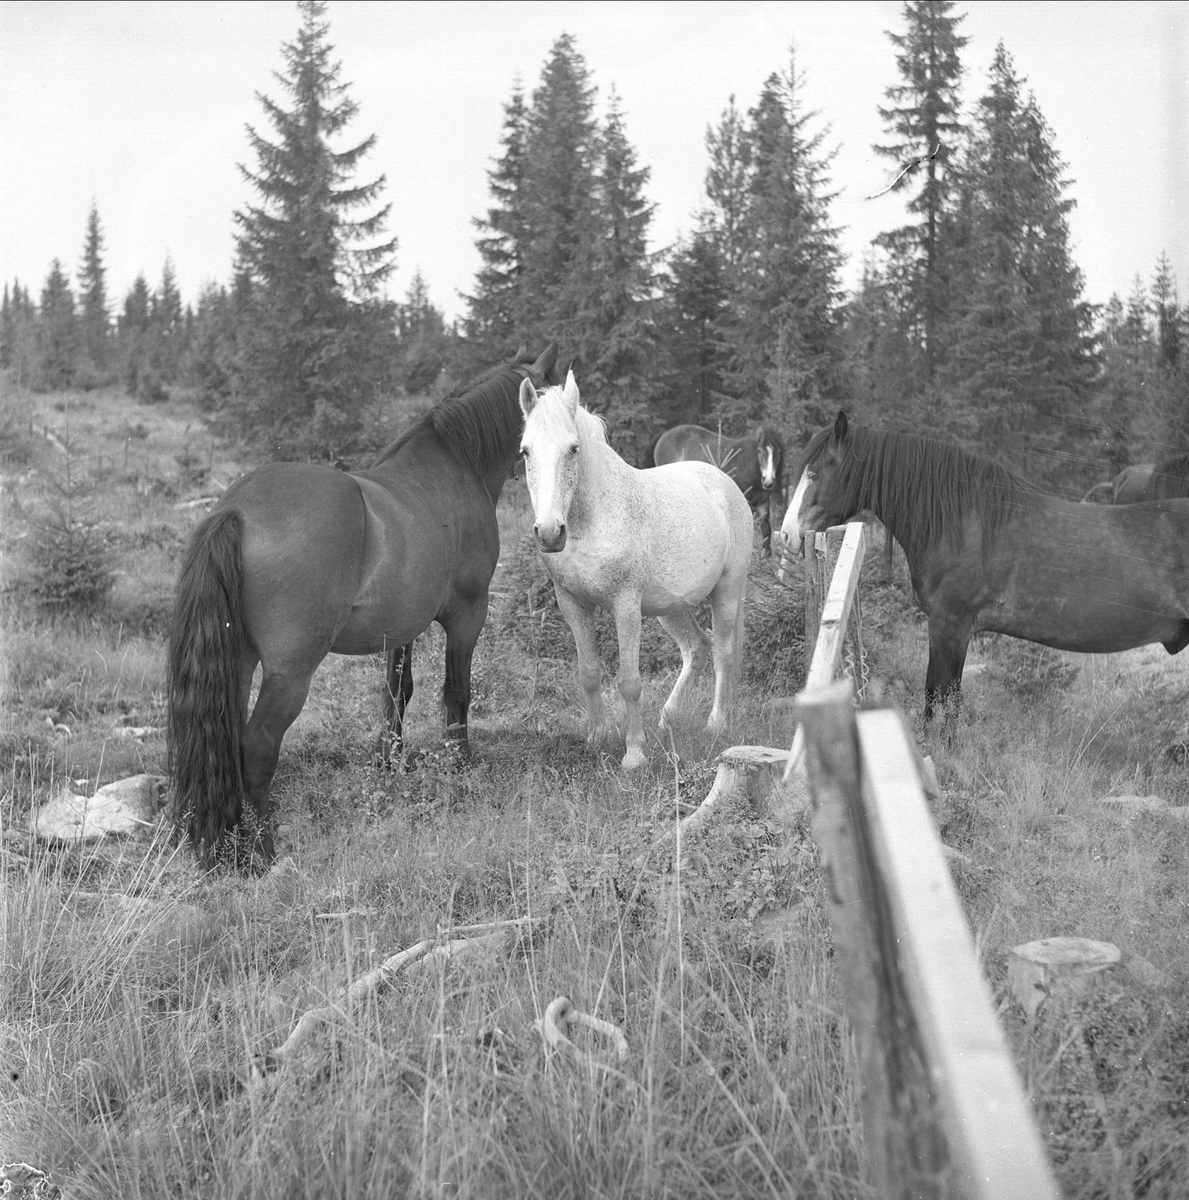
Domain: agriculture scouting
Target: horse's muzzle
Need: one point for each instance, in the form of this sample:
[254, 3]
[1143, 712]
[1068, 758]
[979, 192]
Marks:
[551, 542]
[785, 552]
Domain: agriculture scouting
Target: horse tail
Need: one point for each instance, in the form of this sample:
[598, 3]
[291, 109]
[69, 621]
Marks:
[650, 453]
[206, 647]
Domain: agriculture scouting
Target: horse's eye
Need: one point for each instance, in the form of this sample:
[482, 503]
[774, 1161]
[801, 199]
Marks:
[524, 452]
[573, 451]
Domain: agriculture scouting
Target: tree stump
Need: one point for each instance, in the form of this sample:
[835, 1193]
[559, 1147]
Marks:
[1037, 969]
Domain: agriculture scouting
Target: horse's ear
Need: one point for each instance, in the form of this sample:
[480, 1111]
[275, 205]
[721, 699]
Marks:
[570, 391]
[543, 367]
[528, 397]
[840, 428]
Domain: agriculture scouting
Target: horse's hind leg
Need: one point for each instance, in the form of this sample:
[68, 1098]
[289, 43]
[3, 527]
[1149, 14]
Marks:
[695, 653]
[728, 604]
[398, 691]
[280, 700]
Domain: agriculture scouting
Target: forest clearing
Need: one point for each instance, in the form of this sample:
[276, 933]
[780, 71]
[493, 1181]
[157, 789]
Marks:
[139, 990]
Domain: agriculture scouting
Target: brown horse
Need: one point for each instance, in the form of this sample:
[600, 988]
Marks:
[755, 463]
[297, 561]
[989, 552]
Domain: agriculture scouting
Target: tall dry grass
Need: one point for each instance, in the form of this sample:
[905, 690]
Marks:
[137, 990]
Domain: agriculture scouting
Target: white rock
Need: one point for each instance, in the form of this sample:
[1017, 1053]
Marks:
[128, 806]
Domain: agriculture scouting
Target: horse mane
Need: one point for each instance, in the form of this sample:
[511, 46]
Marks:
[591, 424]
[479, 421]
[923, 487]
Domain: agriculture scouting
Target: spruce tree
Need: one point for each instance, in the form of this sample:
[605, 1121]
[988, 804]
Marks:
[618, 340]
[57, 332]
[1020, 339]
[560, 193]
[18, 337]
[786, 292]
[320, 334]
[496, 313]
[134, 340]
[94, 318]
[923, 122]
[692, 312]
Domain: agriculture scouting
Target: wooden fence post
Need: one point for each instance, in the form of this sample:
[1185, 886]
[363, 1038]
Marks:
[942, 1106]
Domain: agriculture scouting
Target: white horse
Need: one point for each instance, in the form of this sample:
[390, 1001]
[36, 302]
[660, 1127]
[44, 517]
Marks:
[655, 542]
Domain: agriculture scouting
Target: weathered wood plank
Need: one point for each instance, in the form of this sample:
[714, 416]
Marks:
[993, 1140]
[831, 625]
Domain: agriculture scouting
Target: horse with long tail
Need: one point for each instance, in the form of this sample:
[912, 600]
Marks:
[298, 561]
[636, 543]
[988, 551]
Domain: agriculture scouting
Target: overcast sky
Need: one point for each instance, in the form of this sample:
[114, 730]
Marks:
[142, 106]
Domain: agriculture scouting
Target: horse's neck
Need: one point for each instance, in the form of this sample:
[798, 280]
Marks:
[601, 489]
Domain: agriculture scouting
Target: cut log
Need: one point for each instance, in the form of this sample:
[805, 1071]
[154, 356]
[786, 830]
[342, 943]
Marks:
[1038, 969]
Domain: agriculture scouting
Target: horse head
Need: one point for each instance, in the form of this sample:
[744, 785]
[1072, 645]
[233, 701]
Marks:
[551, 448]
[811, 508]
[770, 459]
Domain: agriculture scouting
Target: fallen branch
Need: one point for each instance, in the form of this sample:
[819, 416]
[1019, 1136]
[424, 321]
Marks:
[425, 951]
[558, 1018]
[195, 503]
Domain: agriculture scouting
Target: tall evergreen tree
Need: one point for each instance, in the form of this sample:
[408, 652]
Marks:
[134, 339]
[728, 178]
[94, 318]
[496, 312]
[696, 294]
[320, 334]
[560, 210]
[923, 122]
[619, 334]
[785, 289]
[57, 331]
[1021, 339]
[422, 338]
[167, 326]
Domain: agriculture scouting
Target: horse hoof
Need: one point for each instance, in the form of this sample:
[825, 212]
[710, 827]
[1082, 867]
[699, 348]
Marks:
[633, 759]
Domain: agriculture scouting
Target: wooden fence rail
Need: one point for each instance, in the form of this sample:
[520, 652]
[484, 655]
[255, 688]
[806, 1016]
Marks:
[943, 1110]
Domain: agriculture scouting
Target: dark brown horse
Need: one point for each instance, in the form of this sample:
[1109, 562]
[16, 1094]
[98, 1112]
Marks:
[989, 552]
[755, 463]
[298, 561]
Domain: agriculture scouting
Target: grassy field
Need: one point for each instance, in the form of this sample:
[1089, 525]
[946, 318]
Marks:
[137, 990]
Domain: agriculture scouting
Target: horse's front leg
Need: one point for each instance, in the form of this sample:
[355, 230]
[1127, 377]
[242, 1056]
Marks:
[463, 626]
[943, 677]
[398, 691]
[627, 626]
[590, 673]
[765, 511]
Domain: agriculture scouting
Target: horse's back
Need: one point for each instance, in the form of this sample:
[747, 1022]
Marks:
[692, 500]
[1090, 578]
[303, 545]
